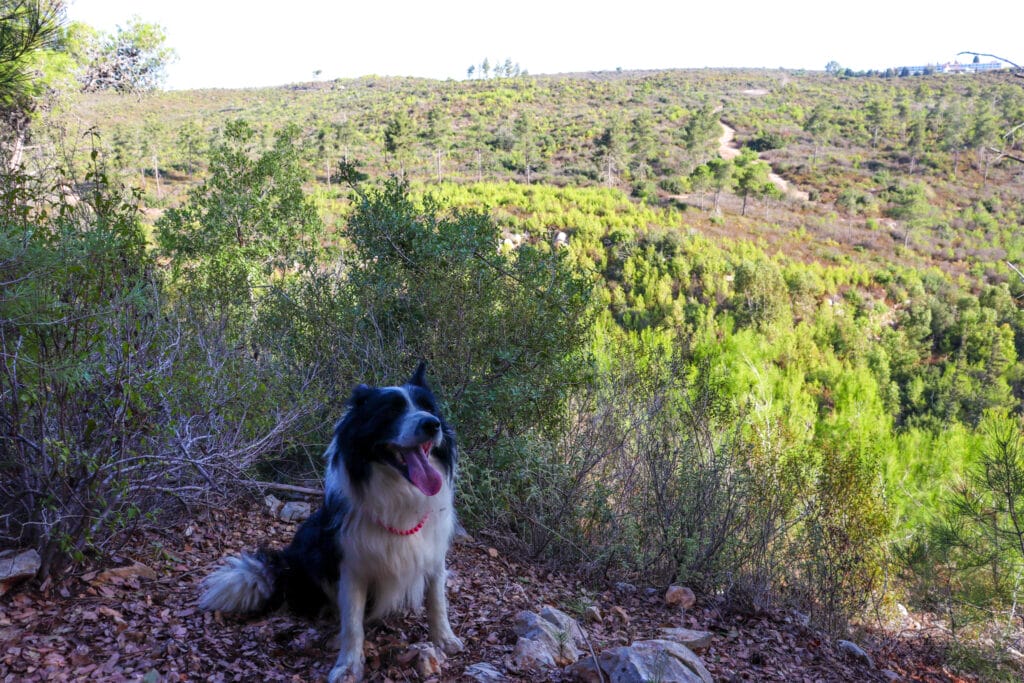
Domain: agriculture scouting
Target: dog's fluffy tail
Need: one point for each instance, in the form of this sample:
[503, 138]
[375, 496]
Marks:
[244, 584]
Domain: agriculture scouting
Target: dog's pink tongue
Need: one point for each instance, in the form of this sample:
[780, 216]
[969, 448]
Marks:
[423, 475]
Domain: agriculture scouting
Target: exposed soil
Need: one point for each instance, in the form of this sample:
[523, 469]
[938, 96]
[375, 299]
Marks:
[123, 626]
[728, 149]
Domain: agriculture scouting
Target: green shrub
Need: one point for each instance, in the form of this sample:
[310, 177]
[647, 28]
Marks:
[118, 402]
[504, 332]
[82, 358]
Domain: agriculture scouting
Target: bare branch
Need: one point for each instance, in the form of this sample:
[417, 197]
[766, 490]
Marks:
[1019, 70]
[284, 487]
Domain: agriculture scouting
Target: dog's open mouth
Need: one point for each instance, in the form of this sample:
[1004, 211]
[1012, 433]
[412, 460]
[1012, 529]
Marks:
[414, 464]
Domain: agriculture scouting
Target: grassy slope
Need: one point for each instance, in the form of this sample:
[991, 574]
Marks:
[566, 114]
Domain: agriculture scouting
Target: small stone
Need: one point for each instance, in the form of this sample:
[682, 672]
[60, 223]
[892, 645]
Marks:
[695, 640]
[294, 511]
[493, 552]
[121, 573]
[273, 504]
[428, 659]
[592, 615]
[461, 536]
[624, 587]
[17, 566]
[890, 675]
[621, 614]
[855, 652]
[484, 673]
[680, 595]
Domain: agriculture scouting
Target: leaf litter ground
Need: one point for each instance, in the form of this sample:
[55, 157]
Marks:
[138, 621]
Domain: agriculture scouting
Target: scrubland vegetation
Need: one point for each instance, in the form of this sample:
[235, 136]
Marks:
[810, 403]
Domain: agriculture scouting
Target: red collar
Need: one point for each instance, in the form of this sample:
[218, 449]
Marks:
[403, 532]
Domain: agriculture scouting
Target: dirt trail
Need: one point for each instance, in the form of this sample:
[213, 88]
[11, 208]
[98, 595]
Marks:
[728, 149]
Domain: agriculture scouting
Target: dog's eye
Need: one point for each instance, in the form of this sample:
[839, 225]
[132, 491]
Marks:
[423, 401]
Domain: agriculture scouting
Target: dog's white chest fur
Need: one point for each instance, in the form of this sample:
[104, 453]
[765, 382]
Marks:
[395, 567]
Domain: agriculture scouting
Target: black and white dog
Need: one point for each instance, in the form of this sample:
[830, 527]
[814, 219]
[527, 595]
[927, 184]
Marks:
[379, 541]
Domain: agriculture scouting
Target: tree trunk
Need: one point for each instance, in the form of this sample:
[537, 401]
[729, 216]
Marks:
[156, 174]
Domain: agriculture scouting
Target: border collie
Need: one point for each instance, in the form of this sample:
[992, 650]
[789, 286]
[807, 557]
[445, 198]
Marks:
[378, 543]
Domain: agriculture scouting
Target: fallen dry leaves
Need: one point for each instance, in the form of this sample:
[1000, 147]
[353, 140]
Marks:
[138, 621]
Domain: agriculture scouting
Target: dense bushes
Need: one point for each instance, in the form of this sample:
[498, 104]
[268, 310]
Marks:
[134, 381]
[505, 333]
[113, 406]
[83, 354]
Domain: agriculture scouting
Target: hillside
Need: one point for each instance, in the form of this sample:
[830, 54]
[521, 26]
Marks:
[785, 369]
[848, 142]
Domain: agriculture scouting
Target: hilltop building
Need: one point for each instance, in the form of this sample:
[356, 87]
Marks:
[951, 68]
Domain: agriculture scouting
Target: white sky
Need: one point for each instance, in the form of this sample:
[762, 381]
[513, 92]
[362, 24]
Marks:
[227, 43]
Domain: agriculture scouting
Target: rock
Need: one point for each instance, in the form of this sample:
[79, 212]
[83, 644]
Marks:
[273, 504]
[592, 615]
[461, 536]
[484, 672]
[452, 582]
[854, 651]
[621, 614]
[427, 658]
[645, 660]
[695, 640]
[890, 675]
[531, 655]
[294, 511]
[624, 587]
[564, 623]
[17, 566]
[551, 638]
[680, 595]
[136, 569]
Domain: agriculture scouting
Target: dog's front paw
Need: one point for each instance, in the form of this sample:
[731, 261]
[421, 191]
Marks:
[450, 643]
[346, 670]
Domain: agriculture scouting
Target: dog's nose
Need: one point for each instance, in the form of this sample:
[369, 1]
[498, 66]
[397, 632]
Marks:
[430, 425]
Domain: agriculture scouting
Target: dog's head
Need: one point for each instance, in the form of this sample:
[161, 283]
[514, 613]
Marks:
[398, 427]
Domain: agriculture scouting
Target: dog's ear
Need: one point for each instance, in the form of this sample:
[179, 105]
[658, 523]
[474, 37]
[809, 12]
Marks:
[359, 395]
[419, 377]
